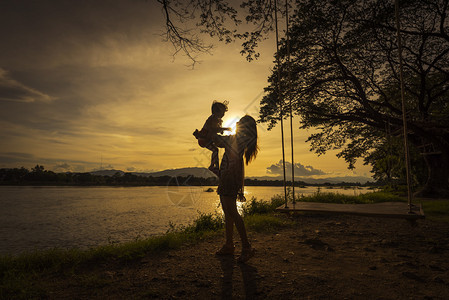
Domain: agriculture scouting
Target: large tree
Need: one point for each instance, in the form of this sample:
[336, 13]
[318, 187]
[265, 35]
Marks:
[344, 79]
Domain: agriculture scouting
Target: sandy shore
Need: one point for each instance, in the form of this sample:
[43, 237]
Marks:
[338, 257]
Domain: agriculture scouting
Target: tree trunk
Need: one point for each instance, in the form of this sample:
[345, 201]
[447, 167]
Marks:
[437, 185]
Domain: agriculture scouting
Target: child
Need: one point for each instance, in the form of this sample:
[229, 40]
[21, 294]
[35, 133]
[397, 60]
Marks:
[211, 127]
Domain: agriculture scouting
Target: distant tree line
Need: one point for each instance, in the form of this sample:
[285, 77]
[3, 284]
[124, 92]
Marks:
[39, 176]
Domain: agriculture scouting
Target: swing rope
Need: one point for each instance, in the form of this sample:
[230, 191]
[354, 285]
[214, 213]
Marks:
[289, 82]
[404, 116]
[281, 111]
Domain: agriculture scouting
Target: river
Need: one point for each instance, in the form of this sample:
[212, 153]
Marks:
[65, 217]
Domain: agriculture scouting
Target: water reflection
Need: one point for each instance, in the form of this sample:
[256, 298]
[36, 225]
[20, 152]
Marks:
[47, 217]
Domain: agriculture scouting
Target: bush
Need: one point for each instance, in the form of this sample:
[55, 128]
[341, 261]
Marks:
[261, 207]
[206, 222]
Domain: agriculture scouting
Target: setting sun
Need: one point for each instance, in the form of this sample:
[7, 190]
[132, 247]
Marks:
[231, 123]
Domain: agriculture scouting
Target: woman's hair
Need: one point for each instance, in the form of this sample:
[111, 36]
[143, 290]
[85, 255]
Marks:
[219, 106]
[248, 127]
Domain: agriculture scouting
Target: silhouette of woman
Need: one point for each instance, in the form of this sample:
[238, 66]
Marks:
[230, 187]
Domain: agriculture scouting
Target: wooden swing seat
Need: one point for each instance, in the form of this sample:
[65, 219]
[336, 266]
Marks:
[384, 209]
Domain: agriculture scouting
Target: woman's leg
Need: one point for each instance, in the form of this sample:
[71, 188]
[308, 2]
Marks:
[229, 221]
[231, 210]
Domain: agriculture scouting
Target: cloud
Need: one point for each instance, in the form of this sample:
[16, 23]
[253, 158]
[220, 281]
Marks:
[64, 167]
[13, 90]
[51, 33]
[300, 170]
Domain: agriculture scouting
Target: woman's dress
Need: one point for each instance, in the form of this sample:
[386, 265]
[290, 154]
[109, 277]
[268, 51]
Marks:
[231, 168]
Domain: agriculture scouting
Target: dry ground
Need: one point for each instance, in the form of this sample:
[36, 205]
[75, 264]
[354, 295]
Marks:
[338, 257]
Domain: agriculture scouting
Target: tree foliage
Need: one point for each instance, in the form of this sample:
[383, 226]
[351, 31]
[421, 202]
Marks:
[344, 80]
[249, 21]
[388, 166]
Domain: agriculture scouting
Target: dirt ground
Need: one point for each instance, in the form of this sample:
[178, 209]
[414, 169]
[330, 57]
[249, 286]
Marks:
[337, 257]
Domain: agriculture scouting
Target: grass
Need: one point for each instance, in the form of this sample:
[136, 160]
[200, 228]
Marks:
[259, 215]
[368, 198]
[436, 210]
[56, 258]
[266, 222]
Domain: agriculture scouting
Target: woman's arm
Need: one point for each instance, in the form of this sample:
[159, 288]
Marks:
[221, 141]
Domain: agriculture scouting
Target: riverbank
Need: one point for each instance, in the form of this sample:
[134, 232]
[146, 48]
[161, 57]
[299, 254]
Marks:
[316, 256]
[308, 255]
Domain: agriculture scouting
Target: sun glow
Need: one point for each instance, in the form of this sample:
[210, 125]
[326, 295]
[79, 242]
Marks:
[231, 123]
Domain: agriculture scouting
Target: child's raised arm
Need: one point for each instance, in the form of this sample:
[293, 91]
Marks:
[225, 129]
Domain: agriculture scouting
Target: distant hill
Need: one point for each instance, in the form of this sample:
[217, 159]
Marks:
[182, 172]
[107, 172]
[197, 172]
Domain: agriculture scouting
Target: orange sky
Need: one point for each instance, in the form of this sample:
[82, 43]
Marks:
[84, 84]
